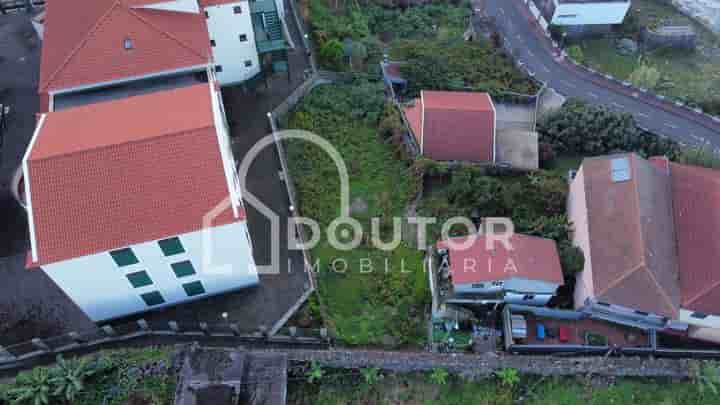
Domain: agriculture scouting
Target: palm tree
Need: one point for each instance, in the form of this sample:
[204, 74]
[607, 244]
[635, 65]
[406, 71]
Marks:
[32, 388]
[68, 378]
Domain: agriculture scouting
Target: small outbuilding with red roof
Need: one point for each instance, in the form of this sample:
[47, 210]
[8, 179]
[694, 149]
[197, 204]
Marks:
[454, 125]
[523, 269]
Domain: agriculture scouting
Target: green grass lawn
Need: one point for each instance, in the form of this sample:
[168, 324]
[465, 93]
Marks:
[407, 389]
[688, 76]
[372, 296]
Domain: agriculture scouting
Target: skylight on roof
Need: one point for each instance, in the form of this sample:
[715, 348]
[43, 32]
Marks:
[128, 44]
[620, 169]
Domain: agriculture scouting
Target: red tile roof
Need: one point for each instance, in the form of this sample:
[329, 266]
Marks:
[696, 198]
[113, 174]
[455, 125]
[531, 258]
[632, 244]
[84, 42]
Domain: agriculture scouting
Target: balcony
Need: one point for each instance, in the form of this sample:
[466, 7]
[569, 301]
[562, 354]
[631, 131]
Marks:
[268, 26]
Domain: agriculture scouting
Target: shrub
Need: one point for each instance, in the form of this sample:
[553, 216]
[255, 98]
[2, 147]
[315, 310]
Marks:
[547, 155]
[576, 53]
[509, 377]
[331, 54]
[572, 259]
[582, 129]
[315, 373]
[439, 376]
[645, 76]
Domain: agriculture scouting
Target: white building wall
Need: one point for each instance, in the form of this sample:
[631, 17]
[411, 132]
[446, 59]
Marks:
[225, 28]
[101, 289]
[711, 321]
[611, 12]
[514, 290]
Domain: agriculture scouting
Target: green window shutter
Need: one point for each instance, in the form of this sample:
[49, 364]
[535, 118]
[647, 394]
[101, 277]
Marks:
[183, 269]
[139, 279]
[171, 246]
[152, 298]
[124, 257]
[194, 288]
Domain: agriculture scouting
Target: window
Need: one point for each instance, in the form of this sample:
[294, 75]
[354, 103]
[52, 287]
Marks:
[212, 42]
[128, 44]
[152, 298]
[642, 313]
[529, 297]
[248, 63]
[218, 68]
[237, 10]
[481, 285]
[171, 246]
[124, 257]
[567, 16]
[497, 283]
[183, 269]
[605, 304]
[243, 37]
[207, 15]
[139, 279]
[698, 315]
[194, 288]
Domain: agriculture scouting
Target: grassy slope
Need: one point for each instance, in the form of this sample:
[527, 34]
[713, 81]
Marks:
[364, 307]
[416, 389]
[691, 74]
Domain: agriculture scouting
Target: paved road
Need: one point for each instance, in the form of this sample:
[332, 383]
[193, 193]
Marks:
[530, 46]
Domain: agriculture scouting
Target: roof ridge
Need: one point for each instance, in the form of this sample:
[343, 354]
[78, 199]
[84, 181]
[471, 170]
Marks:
[660, 288]
[162, 31]
[135, 141]
[636, 189]
[702, 293]
[100, 21]
[622, 278]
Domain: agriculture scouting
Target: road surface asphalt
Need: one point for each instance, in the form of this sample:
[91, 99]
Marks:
[530, 46]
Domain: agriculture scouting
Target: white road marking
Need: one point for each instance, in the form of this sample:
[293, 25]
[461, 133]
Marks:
[673, 126]
[529, 52]
[593, 95]
[545, 68]
[618, 105]
[567, 83]
[643, 115]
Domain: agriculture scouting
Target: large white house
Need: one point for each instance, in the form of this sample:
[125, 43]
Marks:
[110, 43]
[134, 204]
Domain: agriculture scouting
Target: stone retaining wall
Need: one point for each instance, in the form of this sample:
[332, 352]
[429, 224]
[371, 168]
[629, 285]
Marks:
[486, 365]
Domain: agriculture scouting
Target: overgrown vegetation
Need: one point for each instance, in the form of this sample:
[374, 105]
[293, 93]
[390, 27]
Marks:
[582, 129]
[535, 203]
[459, 65]
[372, 296]
[342, 387]
[428, 37]
[110, 377]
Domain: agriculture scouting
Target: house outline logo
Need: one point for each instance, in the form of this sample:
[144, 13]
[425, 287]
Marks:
[248, 197]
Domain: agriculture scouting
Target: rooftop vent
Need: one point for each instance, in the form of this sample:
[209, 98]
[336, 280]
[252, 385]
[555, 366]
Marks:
[128, 44]
[620, 169]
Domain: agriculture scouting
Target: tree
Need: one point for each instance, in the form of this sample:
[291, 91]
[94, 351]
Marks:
[331, 54]
[371, 375]
[582, 129]
[315, 373]
[33, 388]
[572, 259]
[509, 377]
[439, 376]
[645, 76]
[68, 378]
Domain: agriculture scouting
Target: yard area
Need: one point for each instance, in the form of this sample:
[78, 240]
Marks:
[691, 77]
[372, 296]
[406, 389]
